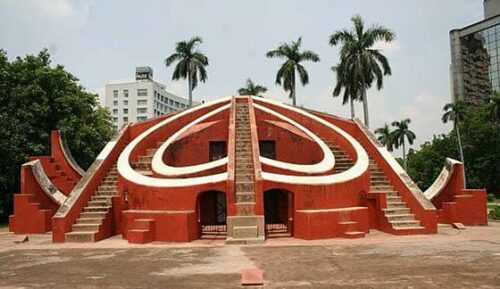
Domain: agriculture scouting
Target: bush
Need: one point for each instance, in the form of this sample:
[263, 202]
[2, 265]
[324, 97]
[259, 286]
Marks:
[495, 213]
[491, 198]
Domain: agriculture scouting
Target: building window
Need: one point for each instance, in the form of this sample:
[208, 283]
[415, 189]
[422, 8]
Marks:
[125, 102]
[125, 92]
[125, 111]
[176, 104]
[115, 102]
[142, 92]
[171, 102]
[115, 111]
[162, 98]
[142, 110]
[115, 93]
[115, 119]
[142, 102]
[125, 120]
[141, 118]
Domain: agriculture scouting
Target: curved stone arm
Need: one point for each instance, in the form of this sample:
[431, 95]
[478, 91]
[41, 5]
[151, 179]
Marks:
[69, 157]
[443, 179]
[45, 183]
[360, 167]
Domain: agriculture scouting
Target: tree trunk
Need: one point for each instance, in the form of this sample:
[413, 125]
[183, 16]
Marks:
[460, 148]
[353, 115]
[190, 89]
[294, 101]
[365, 108]
[404, 155]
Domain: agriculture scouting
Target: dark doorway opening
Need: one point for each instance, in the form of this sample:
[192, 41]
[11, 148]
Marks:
[268, 149]
[217, 150]
[212, 215]
[278, 213]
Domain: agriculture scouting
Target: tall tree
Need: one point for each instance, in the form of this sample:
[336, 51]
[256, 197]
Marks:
[385, 137]
[294, 57]
[402, 133]
[360, 61]
[35, 98]
[191, 64]
[494, 107]
[455, 112]
[351, 88]
[252, 89]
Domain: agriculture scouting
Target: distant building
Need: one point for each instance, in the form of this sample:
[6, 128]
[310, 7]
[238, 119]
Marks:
[140, 99]
[475, 54]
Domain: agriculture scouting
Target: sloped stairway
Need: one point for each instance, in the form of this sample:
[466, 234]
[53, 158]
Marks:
[89, 226]
[246, 227]
[342, 161]
[397, 212]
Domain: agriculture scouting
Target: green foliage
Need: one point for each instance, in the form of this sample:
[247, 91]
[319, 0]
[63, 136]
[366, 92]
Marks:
[252, 89]
[481, 142]
[495, 213]
[385, 137]
[191, 63]
[294, 57]
[360, 64]
[491, 198]
[35, 98]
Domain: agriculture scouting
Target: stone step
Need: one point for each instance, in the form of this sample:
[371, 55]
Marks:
[245, 209]
[245, 197]
[404, 223]
[96, 209]
[408, 227]
[387, 188]
[392, 211]
[99, 203]
[101, 198]
[396, 204]
[396, 217]
[244, 232]
[80, 236]
[106, 193]
[85, 227]
[89, 220]
[244, 177]
[244, 186]
[85, 215]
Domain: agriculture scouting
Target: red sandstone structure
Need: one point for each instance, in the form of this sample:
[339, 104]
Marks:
[239, 168]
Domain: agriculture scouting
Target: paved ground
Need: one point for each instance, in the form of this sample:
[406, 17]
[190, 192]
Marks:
[450, 259]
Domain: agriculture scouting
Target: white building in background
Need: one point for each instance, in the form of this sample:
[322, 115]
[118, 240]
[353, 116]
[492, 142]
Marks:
[141, 99]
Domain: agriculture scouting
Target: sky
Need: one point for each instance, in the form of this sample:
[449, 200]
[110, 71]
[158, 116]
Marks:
[103, 41]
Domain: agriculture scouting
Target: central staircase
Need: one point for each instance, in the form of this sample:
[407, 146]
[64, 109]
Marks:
[397, 212]
[89, 227]
[245, 225]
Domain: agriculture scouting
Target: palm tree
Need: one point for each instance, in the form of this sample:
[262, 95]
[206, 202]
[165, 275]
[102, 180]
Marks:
[401, 134]
[351, 88]
[455, 112]
[360, 61]
[191, 64]
[293, 58]
[252, 89]
[385, 137]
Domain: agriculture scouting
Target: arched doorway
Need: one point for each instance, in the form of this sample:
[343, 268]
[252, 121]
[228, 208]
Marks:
[278, 213]
[212, 215]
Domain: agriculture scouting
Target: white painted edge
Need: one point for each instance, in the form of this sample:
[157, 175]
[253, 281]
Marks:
[106, 150]
[396, 167]
[45, 183]
[69, 157]
[326, 164]
[442, 180]
[161, 168]
[131, 175]
[355, 171]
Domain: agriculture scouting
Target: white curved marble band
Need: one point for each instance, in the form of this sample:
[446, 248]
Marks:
[45, 183]
[326, 164]
[360, 167]
[126, 170]
[161, 168]
[442, 180]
